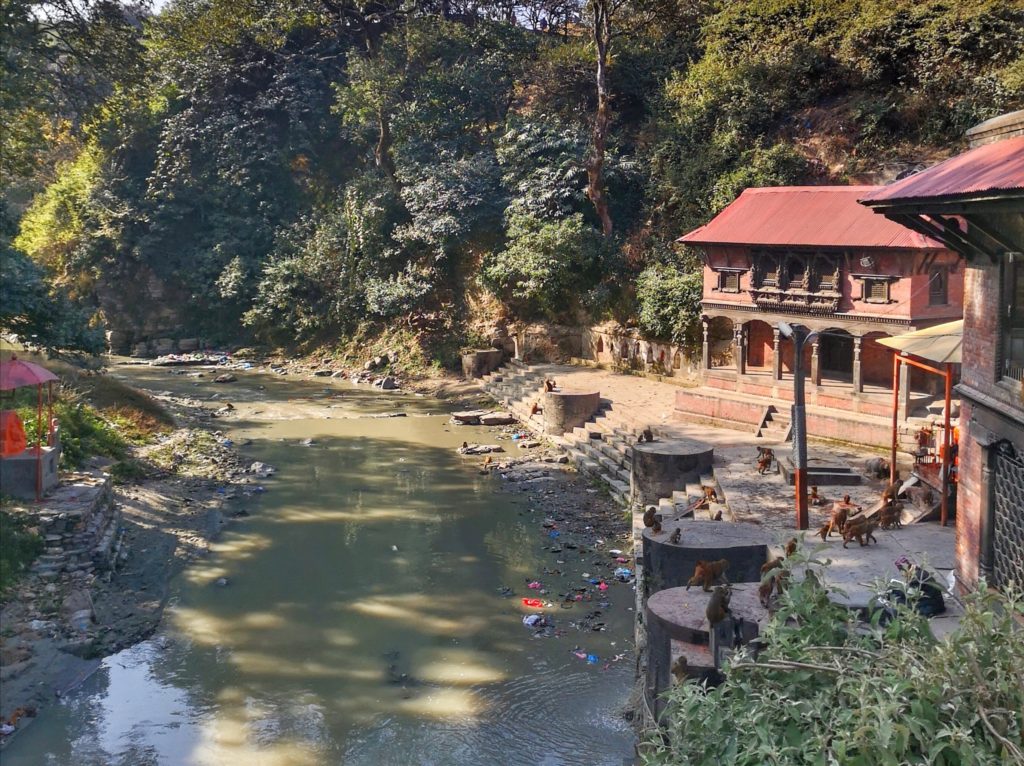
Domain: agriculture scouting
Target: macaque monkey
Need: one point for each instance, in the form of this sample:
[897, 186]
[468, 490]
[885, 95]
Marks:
[549, 385]
[676, 536]
[717, 516]
[706, 573]
[649, 514]
[815, 499]
[824, 531]
[791, 547]
[890, 518]
[837, 523]
[861, 529]
[769, 565]
[764, 462]
[534, 409]
[718, 605]
[680, 669]
[648, 434]
[656, 527]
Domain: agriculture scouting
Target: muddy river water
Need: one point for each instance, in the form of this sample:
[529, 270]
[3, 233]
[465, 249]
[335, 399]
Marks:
[364, 621]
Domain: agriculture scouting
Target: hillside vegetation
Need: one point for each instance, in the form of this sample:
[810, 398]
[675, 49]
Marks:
[297, 172]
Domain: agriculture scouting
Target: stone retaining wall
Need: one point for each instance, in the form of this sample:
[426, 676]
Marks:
[79, 525]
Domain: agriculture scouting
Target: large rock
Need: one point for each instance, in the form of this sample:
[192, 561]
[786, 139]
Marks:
[226, 377]
[497, 419]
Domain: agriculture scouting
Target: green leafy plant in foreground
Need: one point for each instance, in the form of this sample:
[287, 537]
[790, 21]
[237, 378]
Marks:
[829, 689]
[19, 546]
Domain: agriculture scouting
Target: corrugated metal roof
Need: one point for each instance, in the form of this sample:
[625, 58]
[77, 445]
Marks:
[809, 216]
[995, 167]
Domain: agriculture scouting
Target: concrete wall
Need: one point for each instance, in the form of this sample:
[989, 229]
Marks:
[615, 346]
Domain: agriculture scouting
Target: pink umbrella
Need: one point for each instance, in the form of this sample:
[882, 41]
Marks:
[15, 373]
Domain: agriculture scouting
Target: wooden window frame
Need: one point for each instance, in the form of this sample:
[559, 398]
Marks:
[869, 282]
[724, 277]
[938, 297]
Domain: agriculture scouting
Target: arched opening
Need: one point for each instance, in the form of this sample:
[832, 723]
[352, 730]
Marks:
[835, 355]
[649, 355]
[720, 342]
[760, 344]
[624, 348]
[661, 357]
[677, 361]
[600, 344]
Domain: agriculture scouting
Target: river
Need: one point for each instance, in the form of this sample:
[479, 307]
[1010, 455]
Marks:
[364, 622]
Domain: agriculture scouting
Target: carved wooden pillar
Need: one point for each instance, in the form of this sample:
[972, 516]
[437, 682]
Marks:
[705, 359]
[858, 375]
[815, 363]
[739, 344]
[776, 355]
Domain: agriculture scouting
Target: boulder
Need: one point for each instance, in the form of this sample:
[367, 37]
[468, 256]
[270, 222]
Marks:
[497, 419]
[324, 373]
[226, 377]
[387, 383]
[261, 470]
[479, 449]
[468, 417]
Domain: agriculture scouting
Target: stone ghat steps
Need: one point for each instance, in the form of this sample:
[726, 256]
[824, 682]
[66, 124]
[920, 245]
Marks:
[601, 448]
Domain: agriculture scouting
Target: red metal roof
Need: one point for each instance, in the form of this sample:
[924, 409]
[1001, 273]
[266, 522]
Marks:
[810, 216]
[995, 167]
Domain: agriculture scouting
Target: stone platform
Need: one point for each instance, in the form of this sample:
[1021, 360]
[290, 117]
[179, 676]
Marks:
[670, 565]
[821, 473]
[565, 410]
[663, 466]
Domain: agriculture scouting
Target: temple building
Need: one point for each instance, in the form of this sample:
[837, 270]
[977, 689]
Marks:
[974, 204]
[816, 257]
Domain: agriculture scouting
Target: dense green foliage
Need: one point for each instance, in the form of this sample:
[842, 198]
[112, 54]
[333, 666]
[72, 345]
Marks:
[19, 546]
[297, 171]
[828, 689]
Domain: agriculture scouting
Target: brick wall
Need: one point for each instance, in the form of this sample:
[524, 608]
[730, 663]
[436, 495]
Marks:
[968, 503]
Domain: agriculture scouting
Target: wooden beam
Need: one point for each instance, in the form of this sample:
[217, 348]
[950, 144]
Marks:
[930, 229]
[989, 229]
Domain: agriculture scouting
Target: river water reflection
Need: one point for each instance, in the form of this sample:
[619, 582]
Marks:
[364, 622]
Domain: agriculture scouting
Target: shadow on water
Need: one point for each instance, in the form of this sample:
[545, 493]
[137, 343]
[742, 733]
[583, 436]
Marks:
[363, 623]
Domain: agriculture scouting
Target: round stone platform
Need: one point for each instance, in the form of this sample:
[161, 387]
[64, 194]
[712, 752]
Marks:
[566, 410]
[670, 565]
[661, 467]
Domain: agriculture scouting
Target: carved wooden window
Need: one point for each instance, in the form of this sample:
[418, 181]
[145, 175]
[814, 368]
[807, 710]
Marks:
[938, 286]
[1012, 320]
[729, 281]
[796, 273]
[876, 290]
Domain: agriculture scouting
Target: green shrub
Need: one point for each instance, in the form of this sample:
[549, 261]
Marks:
[19, 546]
[831, 690]
[668, 300]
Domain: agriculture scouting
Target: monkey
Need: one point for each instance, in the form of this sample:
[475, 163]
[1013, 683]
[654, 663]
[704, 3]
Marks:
[764, 592]
[706, 573]
[648, 434]
[680, 669]
[840, 514]
[676, 536]
[764, 462]
[534, 409]
[549, 385]
[717, 516]
[769, 565]
[649, 514]
[710, 495]
[718, 605]
[861, 529]
[656, 527]
[465, 445]
[791, 547]
[816, 499]
[823, 533]
[889, 518]
[485, 467]
[892, 491]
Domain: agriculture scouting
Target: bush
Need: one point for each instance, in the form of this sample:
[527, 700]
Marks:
[668, 299]
[19, 546]
[548, 266]
[831, 690]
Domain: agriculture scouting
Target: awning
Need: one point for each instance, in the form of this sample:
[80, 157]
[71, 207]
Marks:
[941, 343]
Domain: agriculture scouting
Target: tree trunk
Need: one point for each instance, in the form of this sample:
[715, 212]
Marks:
[595, 163]
[382, 152]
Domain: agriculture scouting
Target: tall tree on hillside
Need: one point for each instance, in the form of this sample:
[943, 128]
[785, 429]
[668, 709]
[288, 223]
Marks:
[602, 14]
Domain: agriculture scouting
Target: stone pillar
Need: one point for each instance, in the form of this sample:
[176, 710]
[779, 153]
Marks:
[705, 360]
[815, 363]
[776, 355]
[858, 375]
[739, 347]
[904, 402]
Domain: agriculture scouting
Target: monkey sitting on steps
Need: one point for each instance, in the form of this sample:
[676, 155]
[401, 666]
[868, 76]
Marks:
[706, 573]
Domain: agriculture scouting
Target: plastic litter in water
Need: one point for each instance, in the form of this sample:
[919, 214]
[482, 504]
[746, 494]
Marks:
[592, 659]
[602, 586]
[623, 574]
[534, 603]
[534, 585]
[532, 620]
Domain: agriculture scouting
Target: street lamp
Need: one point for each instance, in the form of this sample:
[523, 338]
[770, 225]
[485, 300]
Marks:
[800, 336]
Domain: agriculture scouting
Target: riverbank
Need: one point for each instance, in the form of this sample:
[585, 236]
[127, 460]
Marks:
[171, 519]
[168, 516]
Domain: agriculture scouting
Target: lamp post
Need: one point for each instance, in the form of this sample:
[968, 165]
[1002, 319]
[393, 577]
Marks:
[800, 336]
